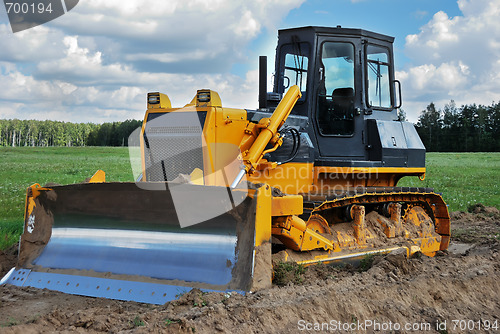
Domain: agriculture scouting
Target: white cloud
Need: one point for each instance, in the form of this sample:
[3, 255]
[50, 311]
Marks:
[170, 57]
[82, 66]
[223, 26]
[454, 58]
[98, 62]
[120, 95]
[29, 45]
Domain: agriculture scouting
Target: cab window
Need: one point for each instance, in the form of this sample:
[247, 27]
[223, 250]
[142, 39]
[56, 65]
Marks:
[295, 60]
[377, 62]
[296, 71]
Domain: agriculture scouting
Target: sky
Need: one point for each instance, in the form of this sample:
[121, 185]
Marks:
[97, 62]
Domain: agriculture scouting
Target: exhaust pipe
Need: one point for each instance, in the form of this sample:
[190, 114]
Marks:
[262, 82]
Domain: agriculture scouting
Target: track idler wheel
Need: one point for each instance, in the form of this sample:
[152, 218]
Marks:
[318, 224]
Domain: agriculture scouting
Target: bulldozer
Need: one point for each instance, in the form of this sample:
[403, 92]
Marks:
[223, 193]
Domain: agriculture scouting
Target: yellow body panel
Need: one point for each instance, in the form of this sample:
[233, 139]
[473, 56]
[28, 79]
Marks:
[263, 215]
[98, 177]
[287, 205]
[305, 178]
[290, 178]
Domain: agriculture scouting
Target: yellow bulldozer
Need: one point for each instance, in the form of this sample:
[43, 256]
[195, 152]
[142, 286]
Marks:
[310, 176]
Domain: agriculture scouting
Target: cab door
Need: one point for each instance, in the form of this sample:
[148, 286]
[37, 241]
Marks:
[337, 119]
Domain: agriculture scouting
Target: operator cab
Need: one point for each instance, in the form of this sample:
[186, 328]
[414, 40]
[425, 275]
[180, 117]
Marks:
[349, 96]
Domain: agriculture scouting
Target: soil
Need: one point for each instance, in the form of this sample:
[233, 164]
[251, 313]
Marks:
[455, 289]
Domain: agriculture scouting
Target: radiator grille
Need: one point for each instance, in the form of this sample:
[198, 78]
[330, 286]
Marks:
[173, 146]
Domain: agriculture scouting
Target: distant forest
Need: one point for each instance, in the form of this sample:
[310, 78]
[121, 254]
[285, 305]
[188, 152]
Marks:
[15, 132]
[469, 128]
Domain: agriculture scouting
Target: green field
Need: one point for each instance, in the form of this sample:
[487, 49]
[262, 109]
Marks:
[21, 167]
[462, 178]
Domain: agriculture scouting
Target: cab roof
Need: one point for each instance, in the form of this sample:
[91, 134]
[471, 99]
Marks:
[337, 31]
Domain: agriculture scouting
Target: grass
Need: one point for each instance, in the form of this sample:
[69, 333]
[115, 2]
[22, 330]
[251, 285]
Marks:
[168, 321]
[21, 167]
[366, 262]
[137, 322]
[463, 178]
[11, 322]
[285, 272]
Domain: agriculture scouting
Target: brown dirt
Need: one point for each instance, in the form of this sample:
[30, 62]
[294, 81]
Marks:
[460, 284]
[8, 259]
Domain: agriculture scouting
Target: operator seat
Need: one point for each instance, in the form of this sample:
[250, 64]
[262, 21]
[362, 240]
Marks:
[343, 111]
[343, 102]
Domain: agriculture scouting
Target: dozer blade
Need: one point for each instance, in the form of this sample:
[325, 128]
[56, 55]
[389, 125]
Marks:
[119, 241]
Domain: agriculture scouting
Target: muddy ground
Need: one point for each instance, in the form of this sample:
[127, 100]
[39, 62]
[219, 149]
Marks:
[457, 291]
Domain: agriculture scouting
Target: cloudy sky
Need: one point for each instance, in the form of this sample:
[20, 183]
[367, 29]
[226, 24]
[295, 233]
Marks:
[97, 62]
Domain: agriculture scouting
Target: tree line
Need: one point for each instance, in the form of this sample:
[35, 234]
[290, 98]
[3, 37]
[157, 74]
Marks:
[469, 128]
[15, 132]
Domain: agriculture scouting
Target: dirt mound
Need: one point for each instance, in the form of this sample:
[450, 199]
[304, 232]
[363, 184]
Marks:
[460, 284]
[8, 259]
[480, 208]
[481, 225]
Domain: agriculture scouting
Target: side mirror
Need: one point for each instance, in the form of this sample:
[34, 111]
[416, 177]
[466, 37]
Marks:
[399, 94]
